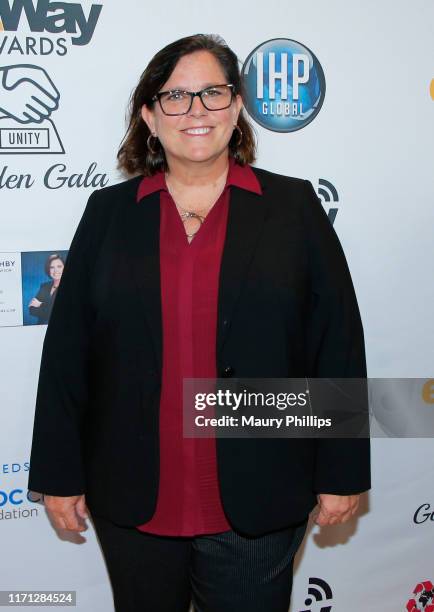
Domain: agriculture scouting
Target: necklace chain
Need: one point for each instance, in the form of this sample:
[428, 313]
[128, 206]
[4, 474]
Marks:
[188, 214]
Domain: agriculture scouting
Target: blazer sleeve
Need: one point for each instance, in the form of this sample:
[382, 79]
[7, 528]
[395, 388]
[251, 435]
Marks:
[335, 348]
[43, 295]
[62, 392]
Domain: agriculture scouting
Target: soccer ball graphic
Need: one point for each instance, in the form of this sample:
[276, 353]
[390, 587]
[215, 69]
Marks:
[423, 598]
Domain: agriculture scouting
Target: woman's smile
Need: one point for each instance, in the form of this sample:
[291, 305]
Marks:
[200, 131]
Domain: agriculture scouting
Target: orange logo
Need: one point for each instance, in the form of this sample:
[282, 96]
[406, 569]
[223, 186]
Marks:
[428, 391]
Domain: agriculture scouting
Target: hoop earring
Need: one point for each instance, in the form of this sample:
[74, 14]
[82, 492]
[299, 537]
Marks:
[149, 146]
[240, 135]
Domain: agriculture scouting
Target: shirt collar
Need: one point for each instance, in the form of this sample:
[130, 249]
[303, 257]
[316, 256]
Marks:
[239, 176]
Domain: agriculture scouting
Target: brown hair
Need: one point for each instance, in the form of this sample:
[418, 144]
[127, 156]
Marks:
[50, 260]
[134, 157]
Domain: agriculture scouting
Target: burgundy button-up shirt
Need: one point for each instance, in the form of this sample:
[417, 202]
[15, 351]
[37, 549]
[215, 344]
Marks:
[189, 500]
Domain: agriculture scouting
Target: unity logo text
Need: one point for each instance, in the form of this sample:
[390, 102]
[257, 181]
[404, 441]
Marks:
[284, 85]
[28, 97]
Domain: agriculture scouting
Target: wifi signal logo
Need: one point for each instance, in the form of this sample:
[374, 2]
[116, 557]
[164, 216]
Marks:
[319, 590]
[328, 193]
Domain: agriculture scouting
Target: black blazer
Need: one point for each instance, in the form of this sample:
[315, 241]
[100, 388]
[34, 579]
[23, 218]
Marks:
[44, 295]
[286, 308]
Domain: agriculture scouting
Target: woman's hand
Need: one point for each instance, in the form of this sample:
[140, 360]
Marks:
[35, 302]
[334, 509]
[67, 512]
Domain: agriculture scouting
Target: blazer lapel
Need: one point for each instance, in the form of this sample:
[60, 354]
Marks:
[246, 216]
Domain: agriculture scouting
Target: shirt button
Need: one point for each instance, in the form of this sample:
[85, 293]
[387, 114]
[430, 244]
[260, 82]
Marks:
[227, 371]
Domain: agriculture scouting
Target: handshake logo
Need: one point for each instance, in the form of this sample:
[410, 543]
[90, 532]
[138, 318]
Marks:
[28, 97]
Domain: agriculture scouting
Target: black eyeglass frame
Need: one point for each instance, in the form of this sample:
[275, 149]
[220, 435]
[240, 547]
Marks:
[192, 94]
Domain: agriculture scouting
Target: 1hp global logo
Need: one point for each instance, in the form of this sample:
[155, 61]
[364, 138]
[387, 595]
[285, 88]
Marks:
[45, 16]
[284, 85]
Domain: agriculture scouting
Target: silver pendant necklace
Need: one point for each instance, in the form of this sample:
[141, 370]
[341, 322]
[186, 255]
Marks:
[187, 214]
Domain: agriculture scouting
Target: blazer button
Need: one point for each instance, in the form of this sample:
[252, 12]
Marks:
[227, 371]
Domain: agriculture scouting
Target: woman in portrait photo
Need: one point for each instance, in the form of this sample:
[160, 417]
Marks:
[200, 265]
[40, 306]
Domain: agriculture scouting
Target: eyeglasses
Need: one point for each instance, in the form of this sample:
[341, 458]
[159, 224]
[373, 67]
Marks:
[179, 102]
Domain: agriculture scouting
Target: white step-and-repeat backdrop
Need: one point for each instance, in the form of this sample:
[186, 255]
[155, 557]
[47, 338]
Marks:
[358, 122]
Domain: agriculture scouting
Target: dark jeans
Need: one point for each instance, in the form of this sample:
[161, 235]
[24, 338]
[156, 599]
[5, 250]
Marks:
[223, 572]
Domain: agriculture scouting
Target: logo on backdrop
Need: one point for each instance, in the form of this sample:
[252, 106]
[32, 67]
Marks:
[423, 598]
[284, 85]
[423, 514]
[319, 592]
[16, 502]
[28, 94]
[28, 97]
[49, 17]
[14, 468]
[329, 198]
[428, 391]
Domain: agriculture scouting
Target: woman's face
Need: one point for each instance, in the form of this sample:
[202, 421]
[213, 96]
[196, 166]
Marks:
[194, 72]
[56, 268]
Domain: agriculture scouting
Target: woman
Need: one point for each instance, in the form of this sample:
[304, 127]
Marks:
[40, 306]
[204, 266]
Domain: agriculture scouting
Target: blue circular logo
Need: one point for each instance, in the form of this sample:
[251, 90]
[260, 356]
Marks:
[284, 85]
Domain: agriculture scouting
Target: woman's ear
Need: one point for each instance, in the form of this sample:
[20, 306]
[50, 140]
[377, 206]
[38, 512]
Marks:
[239, 105]
[148, 118]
